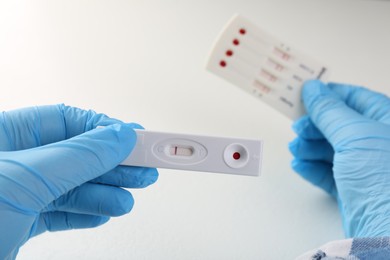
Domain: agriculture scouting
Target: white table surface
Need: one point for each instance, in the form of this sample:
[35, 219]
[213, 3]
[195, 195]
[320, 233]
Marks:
[143, 61]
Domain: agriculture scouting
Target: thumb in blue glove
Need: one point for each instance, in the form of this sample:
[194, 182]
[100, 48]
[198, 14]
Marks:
[57, 172]
[343, 146]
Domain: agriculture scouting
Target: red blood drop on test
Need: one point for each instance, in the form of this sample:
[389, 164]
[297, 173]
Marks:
[236, 42]
[229, 52]
[236, 156]
[242, 31]
[222, 63]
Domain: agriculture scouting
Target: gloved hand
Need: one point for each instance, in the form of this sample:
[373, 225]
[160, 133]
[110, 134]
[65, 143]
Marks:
[58, 172]
[343, 146]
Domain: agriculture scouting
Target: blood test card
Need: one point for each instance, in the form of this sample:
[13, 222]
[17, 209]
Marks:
[264, 66]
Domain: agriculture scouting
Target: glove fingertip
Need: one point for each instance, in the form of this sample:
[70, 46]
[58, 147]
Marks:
[293, 146]
[152, 176]
[295, 165]
[296, 126]
[311, 91]
[311, 86]
[121, 203]
[135, 125]
[125, 205]
[100, 220]
[125, 136]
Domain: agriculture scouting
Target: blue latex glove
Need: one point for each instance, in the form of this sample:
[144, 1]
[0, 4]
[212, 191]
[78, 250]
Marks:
[58, 172]
[343, 146]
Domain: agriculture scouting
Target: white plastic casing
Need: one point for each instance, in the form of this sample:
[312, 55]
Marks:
[264, 66]
[196, 153]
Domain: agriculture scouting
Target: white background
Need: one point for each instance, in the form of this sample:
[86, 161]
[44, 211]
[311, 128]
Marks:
[143, 61]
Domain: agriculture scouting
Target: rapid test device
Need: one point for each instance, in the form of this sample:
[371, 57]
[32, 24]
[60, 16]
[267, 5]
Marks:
[264, 66]
[196, 153]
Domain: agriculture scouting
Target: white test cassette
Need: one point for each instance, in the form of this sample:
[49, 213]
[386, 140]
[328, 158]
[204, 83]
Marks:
[196, 153]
